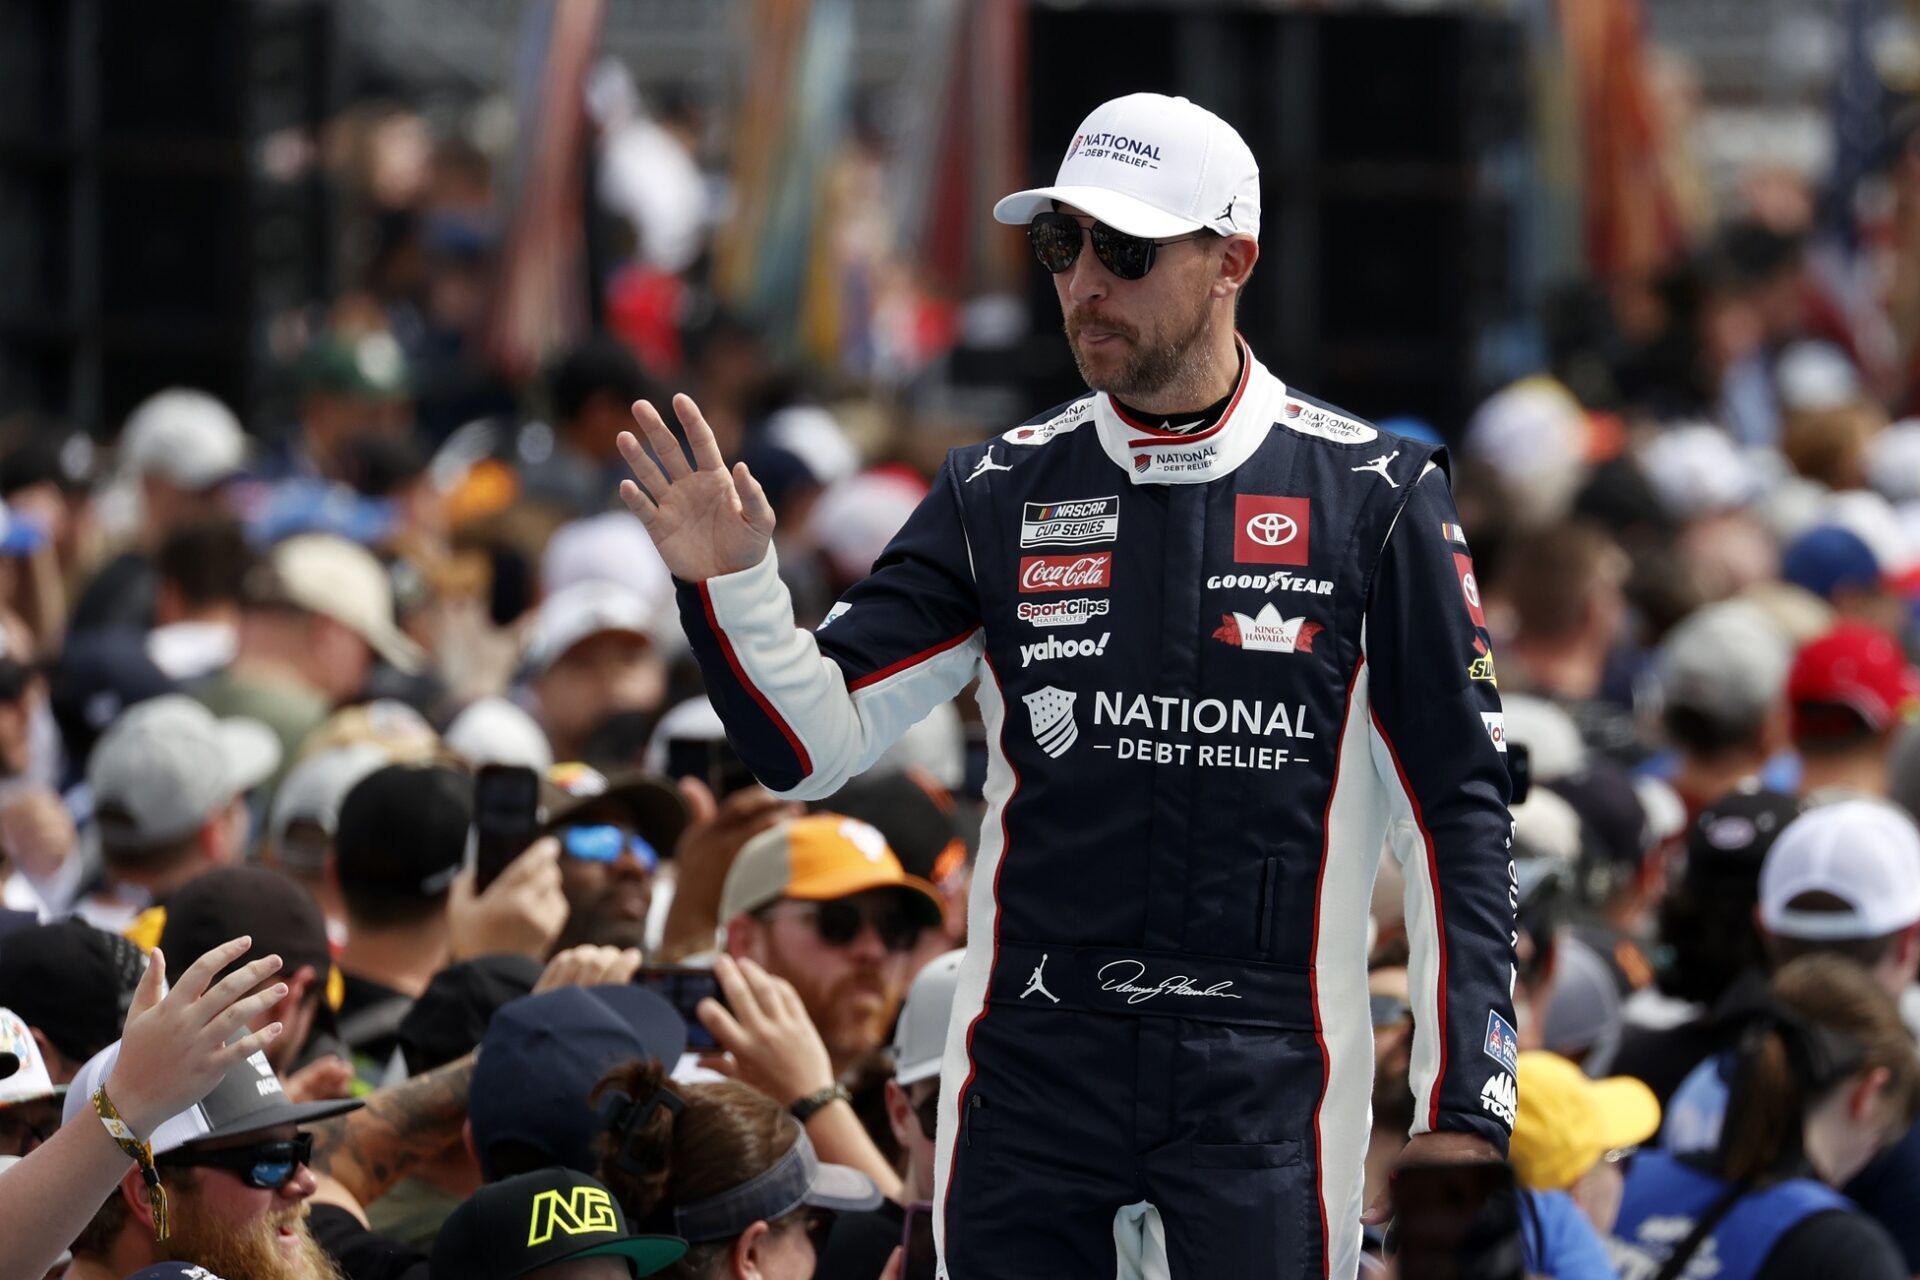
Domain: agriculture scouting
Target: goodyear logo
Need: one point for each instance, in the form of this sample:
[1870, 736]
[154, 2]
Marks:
[579, 1212]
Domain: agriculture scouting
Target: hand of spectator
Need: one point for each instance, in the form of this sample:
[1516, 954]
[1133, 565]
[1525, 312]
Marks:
[769, 1040]
[522, 912]
[896, 1263]
[321, 1080]
[174, 1047]
[705, 854]
[1438, 1146]
[705, 520]
[589, 966]
[37, 832]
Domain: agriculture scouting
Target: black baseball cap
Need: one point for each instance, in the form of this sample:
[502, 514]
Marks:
[576, 794]
[1729, 840]
[404, 828]
[248, 1099]
[521, 1224]
[279, 915]
[542, 1056]
[71, 981]
[450, 1018]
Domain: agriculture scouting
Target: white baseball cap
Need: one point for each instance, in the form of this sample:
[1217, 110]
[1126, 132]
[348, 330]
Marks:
[584, 609]
[185, 436]
[920, 1041]
[28, 1080]
[1864, 852]
[1152, 166]
[496, 731]
[341, 580]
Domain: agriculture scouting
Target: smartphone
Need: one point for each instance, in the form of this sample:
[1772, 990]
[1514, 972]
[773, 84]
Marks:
[506, 818]
[684, 987]
[1456, 1221]
[713, 761]
[916, 1241]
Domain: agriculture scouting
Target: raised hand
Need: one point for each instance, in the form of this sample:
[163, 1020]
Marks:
[175, 1046]
[705, 520]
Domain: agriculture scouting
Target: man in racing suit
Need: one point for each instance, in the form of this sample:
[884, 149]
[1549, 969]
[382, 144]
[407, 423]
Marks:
[1224, 655]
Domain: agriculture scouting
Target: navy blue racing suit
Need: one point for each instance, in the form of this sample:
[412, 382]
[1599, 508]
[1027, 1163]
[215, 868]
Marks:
[1219, 672]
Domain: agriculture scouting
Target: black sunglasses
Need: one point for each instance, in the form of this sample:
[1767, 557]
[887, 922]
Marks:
[1057, 237]
[841, 921]
[267, 1166]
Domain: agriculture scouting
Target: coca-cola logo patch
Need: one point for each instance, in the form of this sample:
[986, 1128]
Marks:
[1065, 573]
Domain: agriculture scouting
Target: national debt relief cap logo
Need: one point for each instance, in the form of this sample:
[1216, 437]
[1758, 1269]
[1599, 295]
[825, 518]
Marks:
[578, 1211]
[1051, 712]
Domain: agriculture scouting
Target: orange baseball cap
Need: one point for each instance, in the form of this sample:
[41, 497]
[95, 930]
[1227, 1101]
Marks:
[818, 858]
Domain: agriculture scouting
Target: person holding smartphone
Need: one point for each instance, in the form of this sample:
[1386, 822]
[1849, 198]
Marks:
[1223, 635]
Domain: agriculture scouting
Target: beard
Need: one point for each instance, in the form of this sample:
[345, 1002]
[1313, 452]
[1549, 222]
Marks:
[1150, 367]
[253, 1252]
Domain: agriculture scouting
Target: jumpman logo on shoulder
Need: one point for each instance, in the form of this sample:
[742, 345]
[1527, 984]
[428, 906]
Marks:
[1379, 466]
[985, 465]
[1038, 983]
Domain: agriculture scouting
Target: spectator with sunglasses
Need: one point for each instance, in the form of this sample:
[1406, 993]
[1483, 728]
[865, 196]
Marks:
[823, 903]
[613, 830]
[861, 1243]
[233, 1168]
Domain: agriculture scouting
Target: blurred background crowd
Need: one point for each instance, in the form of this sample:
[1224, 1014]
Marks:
[322, 319]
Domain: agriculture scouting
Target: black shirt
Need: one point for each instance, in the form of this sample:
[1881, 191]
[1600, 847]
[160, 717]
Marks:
[1837, 1244]
[860, 1243]
[369, 1022]
[360, 1253]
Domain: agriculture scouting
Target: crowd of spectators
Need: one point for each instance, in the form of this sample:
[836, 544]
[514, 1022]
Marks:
[249, 671]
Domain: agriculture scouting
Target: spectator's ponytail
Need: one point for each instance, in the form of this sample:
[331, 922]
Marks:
[1831, 1020]
[667, 1145]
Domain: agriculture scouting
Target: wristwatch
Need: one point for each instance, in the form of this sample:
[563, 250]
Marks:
[808, 1107]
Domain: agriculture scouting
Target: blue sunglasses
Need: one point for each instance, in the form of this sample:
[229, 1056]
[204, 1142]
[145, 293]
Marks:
[606, 843]
[267, 1166]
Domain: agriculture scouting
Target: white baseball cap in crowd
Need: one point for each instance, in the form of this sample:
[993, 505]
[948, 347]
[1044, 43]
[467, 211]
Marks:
[1866, 853]
[1152, 166]
[167, 765]
[611, 547]
[310, 796]
[496, 731]
[573, 613]
[920, 1040]
[185, 436]
[26, 1080]
[330, 576]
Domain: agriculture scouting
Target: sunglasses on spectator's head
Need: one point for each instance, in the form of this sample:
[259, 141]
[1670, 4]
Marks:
[1057, 239]
[604, 842]
[266, 1166]
[841, 921]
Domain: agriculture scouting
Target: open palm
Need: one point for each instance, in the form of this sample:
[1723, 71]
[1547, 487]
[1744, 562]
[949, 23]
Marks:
[705, 520]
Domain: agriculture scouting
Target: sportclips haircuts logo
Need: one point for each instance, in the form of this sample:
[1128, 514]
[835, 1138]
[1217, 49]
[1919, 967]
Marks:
[1116, 146]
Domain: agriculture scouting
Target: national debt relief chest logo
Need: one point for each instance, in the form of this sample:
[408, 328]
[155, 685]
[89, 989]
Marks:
[579, 1211]
[1050, 711]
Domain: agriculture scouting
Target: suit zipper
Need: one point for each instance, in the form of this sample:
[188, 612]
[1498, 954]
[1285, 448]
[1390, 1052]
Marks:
[1263, 924]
